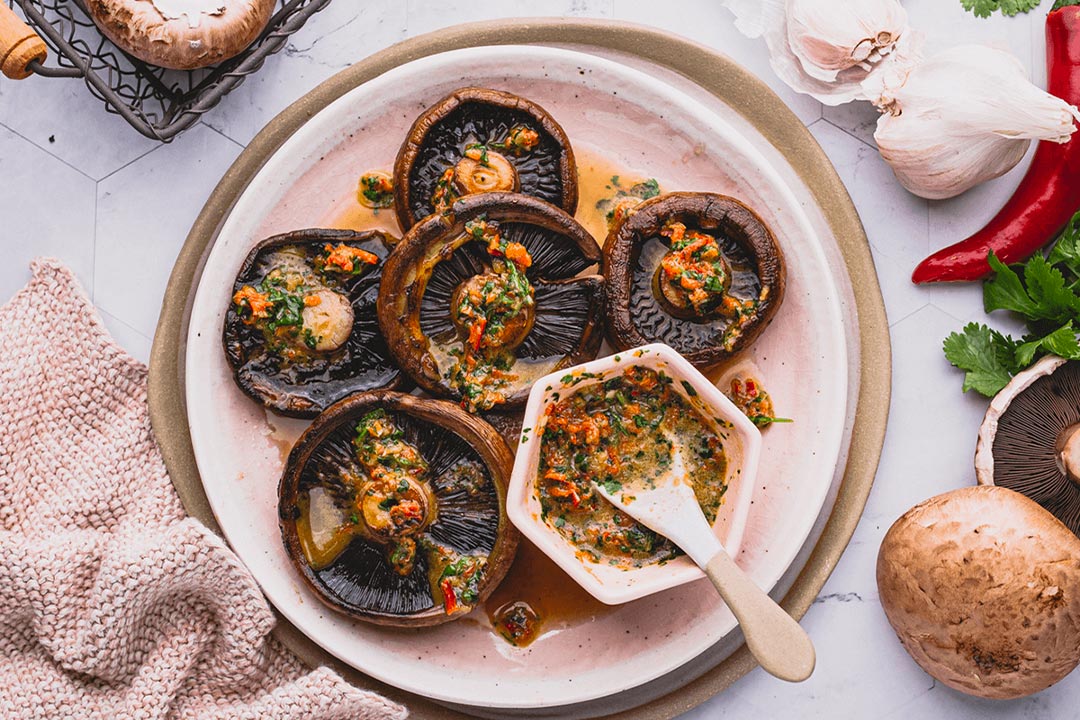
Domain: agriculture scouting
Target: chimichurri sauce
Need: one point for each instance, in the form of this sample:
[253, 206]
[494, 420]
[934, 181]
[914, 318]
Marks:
[630, 428]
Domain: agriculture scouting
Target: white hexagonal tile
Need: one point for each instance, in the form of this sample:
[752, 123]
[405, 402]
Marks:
[946, 23]
[127, 337]
[46, 209]
[144, 214]
[334, 38]
[942, 701]
[855, 118]
[706, 22]
[930, 413]
[895, 220]
[858, 658]
[427, 15]
[60, 116]
[954, 220]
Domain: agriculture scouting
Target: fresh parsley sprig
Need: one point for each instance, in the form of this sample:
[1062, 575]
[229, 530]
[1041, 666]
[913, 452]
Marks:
[1045, 292]
[984, 8]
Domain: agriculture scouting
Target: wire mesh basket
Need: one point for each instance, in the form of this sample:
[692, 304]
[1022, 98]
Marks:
[159, 103]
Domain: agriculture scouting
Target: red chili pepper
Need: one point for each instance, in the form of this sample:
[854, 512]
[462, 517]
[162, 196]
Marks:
[449, 596]
[1049, 194]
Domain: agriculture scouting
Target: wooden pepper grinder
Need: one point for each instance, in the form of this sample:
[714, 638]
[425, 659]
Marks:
[19, 45]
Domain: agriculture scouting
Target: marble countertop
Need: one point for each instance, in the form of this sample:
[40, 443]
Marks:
[113, 206]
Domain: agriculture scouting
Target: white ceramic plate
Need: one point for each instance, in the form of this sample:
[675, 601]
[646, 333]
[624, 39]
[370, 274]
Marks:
[633, 121]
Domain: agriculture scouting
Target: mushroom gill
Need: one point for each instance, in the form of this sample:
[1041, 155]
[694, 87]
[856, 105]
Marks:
[478, 304]
[300, 331]
[1027, 433]
[479, 140]
[697, 271]
[402, 501]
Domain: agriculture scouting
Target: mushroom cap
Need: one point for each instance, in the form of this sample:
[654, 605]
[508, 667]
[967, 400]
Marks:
[983, 589]
[360, 582]
[304, 389]
[635, 248]
[438, 138]
[179, 35]
[435, 257]
[1023, 439]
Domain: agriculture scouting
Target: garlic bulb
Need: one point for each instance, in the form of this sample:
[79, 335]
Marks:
[829, 36]
[962, 117]
[828, 48]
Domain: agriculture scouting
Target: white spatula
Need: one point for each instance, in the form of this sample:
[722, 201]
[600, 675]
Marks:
[774, 638]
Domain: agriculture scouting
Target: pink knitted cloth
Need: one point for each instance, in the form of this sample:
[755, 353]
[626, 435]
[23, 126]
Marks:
[113, 603]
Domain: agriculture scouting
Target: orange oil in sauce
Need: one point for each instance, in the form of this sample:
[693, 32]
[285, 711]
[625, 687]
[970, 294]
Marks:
[594, 186]
[554, 596]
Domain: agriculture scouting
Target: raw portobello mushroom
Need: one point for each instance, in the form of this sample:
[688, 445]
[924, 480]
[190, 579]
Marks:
[181, 34]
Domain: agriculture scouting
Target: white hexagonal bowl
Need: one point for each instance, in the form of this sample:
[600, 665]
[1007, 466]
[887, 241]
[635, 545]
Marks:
[610, 584]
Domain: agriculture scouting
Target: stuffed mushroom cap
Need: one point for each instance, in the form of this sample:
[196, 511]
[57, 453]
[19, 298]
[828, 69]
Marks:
[478, 303]
[393, 509]
[983, 589]
[700, 272]
[300, 332]
[482, 140]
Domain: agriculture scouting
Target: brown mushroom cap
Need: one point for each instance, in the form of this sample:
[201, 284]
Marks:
[148, 29]
[438, 139]
[360, 582]
[305, 388]
[633, 251]
[1029, 440]
[983, 589]
[435, 257]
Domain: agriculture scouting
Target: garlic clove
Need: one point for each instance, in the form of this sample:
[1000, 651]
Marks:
[830, 36]
[768, 19]
[961, 117]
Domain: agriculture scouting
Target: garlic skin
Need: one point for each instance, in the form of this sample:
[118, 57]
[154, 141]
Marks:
[829, 36]
[962, 117]
[828, 48]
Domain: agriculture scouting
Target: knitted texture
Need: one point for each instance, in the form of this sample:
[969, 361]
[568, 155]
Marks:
[113, 603]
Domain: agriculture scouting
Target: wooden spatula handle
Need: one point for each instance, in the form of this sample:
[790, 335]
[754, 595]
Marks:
[774, 638]
[19, 45]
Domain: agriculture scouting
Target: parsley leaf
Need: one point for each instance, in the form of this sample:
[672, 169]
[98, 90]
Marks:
[1044, 291]
[1066, 251]
[1004, 291]
[1062, 342]
[984, 8]
[987, 357]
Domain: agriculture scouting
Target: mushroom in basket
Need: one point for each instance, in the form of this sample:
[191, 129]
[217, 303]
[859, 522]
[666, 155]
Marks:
[699, 272]
[392, 509]
[478, 140]
[479, 303]
[181, 34]
[300, 331]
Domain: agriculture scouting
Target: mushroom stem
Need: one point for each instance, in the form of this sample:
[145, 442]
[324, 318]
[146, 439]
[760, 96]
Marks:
[1068, 452]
